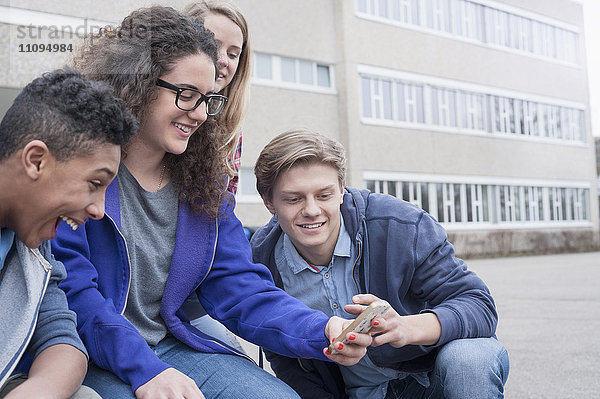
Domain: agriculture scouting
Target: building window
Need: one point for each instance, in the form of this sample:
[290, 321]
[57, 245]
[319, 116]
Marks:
[247, 186]
[263, 66]
[528, 120]
[471, 114]
[292, 72]
[394, 98]
[533, 203]
[477, 203]
[443, 103]
[469, 19]
[409, 103]
[456, 204]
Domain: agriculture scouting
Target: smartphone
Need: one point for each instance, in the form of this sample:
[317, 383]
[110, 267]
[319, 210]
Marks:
[362, 323]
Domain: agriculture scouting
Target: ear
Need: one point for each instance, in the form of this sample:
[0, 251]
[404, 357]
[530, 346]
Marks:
[268, 204]
[342, 191]
[35, 158]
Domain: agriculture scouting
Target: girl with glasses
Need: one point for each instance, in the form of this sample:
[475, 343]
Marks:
[169, 232]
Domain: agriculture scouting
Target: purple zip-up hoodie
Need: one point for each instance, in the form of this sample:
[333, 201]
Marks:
[211, 258]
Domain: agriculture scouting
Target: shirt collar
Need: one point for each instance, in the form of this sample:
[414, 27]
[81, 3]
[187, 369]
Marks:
[297, 262]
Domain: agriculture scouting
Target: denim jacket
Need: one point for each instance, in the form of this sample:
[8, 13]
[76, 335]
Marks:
[404, 257]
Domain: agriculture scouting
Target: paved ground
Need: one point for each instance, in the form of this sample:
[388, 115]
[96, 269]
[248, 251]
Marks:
[549, 309]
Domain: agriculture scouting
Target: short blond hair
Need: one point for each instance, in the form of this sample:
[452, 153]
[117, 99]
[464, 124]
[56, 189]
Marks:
[296, 147]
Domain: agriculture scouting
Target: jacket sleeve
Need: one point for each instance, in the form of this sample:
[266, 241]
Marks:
[56, 324]
[112, 342]
[459, 298]
[242, 295]
[309, 378]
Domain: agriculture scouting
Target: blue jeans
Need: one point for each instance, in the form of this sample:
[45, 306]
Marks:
[475, 368]
[217, 375]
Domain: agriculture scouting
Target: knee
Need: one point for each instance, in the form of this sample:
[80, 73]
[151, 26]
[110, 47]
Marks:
[85, 392]
[485, 357]
[263, 392]
[277, 390]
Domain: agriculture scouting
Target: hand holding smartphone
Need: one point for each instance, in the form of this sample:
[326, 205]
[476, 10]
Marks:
[362, 323]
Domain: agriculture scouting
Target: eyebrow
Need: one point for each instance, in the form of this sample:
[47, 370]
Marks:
[109, 172]
[188, 86]
[329, 187]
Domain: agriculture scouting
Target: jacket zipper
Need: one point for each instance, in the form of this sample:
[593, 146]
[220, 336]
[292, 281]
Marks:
[212, 260]
[354, 267]
[47, 269]
[128, 263]
[229, 349]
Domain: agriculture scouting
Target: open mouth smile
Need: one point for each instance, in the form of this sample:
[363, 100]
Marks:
[183, 128]
[73, 224]
[312, 226]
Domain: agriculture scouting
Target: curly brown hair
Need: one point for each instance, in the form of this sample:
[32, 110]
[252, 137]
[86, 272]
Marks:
[131, 57]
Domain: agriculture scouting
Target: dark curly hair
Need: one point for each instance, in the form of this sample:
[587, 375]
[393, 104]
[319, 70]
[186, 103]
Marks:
[131, 57]
[70, 114]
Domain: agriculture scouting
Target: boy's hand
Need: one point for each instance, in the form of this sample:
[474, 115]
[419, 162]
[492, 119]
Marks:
[396, 330]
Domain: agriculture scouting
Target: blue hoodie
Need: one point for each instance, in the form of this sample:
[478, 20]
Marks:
[212, 258]
[405, 257]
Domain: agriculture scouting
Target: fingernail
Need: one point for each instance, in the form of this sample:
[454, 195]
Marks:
[327, 351]
[351, 337]
[375, 323]
[340, 346]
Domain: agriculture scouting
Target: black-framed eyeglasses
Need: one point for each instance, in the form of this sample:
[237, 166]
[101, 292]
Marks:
[189, 99]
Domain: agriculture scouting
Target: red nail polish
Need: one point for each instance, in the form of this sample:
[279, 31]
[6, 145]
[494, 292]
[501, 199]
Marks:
[375, 323]
[351, 337]
[327, 351]
[340, 346]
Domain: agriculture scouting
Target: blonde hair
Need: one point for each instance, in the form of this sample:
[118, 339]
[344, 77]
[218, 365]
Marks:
[238, 90]
[296, 147]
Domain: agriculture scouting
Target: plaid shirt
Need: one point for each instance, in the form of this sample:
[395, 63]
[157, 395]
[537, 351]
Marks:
[235, 162]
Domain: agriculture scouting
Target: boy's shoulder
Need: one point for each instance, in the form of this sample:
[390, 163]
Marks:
[384, 206]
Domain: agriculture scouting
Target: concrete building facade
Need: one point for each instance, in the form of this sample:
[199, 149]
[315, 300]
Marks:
[475, 110]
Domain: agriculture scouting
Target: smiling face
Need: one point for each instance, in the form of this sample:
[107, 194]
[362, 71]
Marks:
[230, 40]
[166, 127]
[71, 191]
[306, 200]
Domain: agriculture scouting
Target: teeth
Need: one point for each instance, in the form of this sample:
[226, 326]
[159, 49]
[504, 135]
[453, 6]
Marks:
[70, 222]
[311, 226]
[184, 128]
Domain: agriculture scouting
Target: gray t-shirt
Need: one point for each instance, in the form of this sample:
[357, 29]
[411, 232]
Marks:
[149, 224]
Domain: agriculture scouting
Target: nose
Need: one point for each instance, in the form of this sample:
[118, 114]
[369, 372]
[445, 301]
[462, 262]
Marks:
[222, 61]
[199, 114]
[96, 208]
[311, 208]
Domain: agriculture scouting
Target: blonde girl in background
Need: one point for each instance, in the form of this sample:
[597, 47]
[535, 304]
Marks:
[228, 24]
